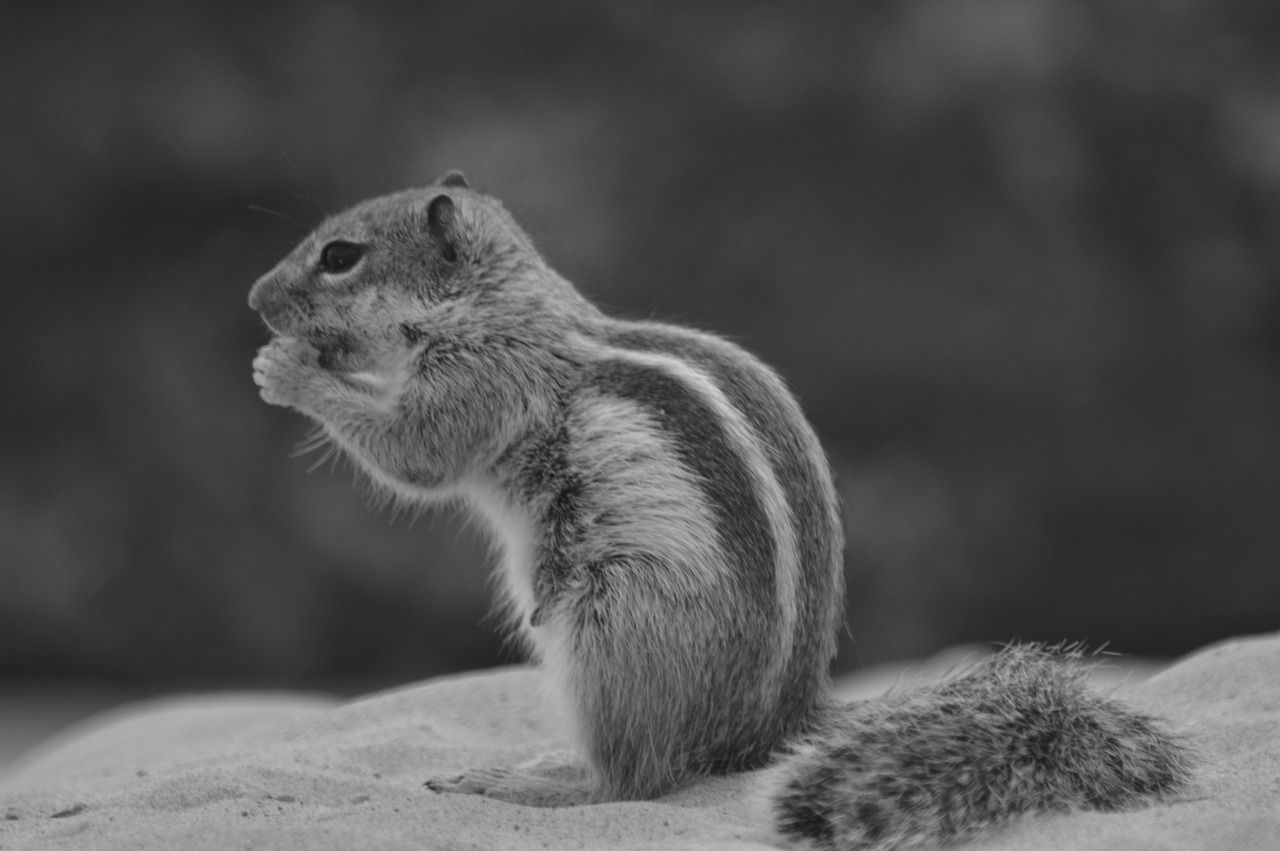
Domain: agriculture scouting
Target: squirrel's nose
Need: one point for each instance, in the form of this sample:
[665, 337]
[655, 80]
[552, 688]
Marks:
[257, 293]
[268, 298]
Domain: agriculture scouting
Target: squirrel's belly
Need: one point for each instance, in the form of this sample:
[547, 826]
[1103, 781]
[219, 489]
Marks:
[514, 535]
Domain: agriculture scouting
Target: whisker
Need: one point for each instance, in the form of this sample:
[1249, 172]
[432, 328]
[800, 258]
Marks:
[316, 439]
[257, 208]
[380, 498]
[319, 207]
[330, 453]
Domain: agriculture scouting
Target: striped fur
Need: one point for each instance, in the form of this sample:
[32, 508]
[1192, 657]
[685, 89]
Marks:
[669, 541]
[668, 533]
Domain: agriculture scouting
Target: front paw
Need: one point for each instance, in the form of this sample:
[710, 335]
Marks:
[287, 372]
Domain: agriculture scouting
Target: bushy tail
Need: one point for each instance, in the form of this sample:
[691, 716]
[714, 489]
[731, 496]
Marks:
[1020, 732]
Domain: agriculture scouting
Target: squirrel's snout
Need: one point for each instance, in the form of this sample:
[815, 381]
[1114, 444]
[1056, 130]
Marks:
[258, 293]
[268, 298]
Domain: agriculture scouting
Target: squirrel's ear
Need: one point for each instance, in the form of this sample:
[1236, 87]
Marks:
[455, 179]
[442, 224]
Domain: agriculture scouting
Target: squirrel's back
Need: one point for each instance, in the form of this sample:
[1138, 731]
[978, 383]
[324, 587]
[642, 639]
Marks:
[690, 554]
[786, 472]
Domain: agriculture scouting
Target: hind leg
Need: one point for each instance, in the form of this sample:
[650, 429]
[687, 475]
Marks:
[562, 778]
[641, 685]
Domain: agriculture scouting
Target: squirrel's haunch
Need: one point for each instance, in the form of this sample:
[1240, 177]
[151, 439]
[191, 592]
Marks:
[1020, 732]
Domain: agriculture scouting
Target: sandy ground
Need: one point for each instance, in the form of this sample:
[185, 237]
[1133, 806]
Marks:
[289, 771]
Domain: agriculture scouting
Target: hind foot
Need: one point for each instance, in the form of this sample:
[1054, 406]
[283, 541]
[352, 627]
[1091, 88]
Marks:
[549, 781]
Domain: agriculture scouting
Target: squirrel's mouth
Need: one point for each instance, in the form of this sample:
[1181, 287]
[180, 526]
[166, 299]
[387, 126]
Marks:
[339, 351]
[281, 320]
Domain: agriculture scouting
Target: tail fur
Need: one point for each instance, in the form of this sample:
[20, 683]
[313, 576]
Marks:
[1020, 732]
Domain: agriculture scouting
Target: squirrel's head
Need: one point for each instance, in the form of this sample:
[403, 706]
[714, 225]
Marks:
[396, 271]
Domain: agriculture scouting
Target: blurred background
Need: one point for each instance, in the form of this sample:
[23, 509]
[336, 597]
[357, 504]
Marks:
[1018, 258]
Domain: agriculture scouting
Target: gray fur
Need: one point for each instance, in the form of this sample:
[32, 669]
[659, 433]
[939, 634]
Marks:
[668, 531]
[1019, 733]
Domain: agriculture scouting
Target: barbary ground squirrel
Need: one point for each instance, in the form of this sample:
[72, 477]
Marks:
[671, 545]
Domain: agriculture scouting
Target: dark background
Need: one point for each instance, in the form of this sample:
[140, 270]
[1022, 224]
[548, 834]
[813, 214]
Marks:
[1018, 258]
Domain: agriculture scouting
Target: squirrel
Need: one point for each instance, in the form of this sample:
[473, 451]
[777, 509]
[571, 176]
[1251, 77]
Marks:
[670, 540]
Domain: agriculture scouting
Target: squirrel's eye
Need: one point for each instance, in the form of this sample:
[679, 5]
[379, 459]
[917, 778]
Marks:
[340, 256]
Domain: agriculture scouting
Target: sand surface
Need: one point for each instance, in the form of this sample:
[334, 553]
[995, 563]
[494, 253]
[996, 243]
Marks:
[280, 771]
